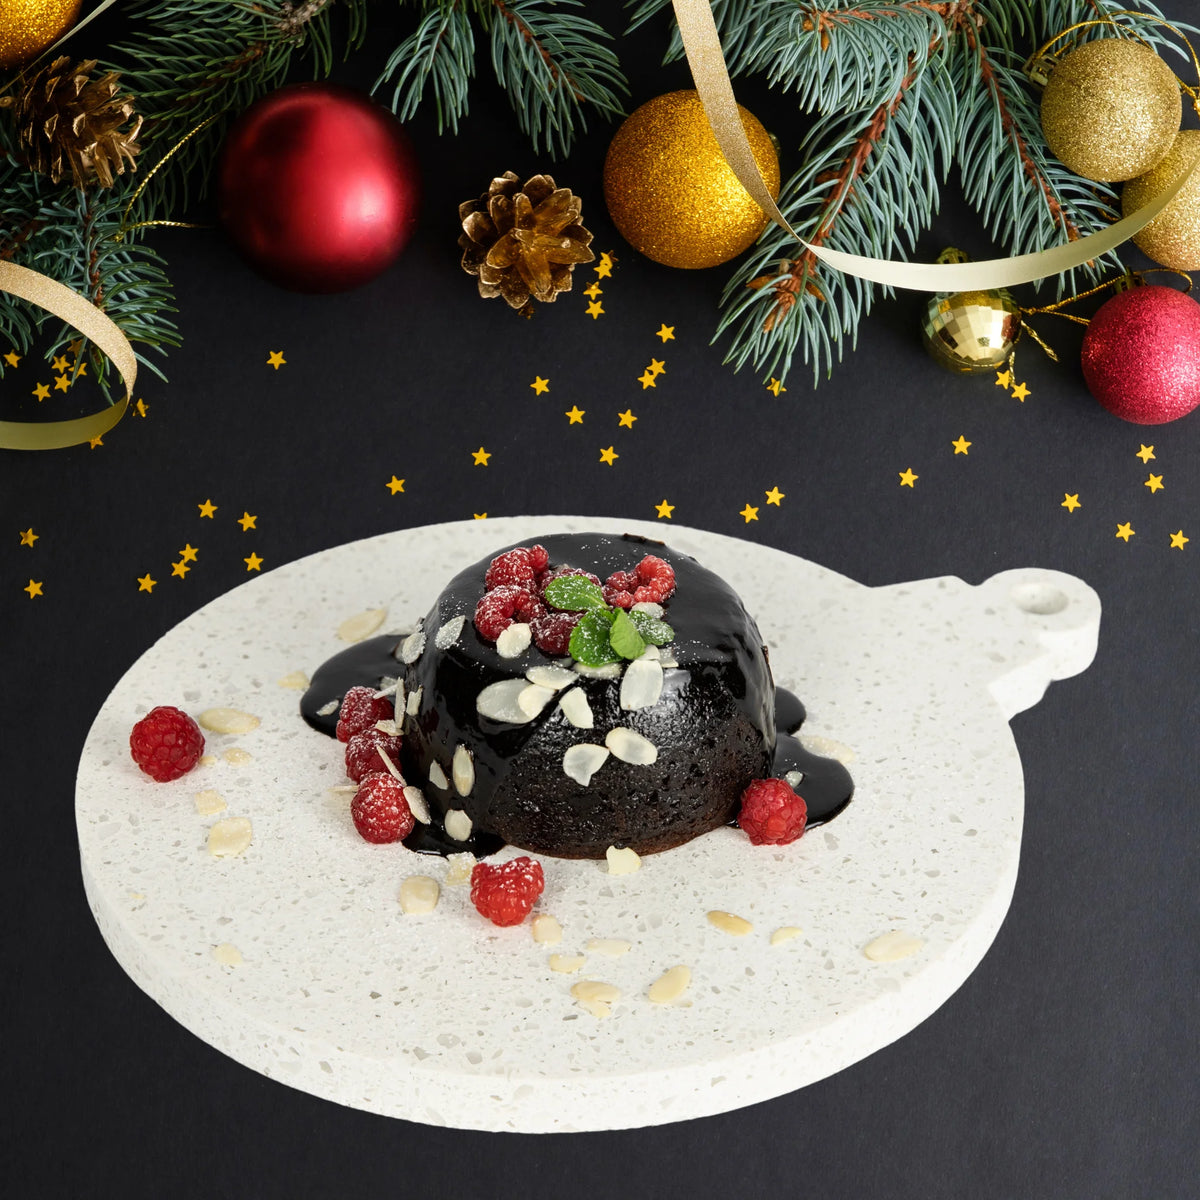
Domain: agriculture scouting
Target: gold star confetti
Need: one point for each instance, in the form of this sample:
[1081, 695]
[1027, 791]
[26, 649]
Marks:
[626, 419]
[1178, 541]
[28, 537]
[1146, 453]
[98, 440]
[60, 363]
[647, 380]
[12, 358]
[540, 386]
[657, 367]
[188, 553]
[253, 562]
[207, 508]
[42, 391]
[604, 266]
[609, 456]
[394, 485]
[61, 383]
[1070, 502]
[1020, 392]
[749, 513]
[481, 456]
[907, 478]
[1004, 379]
[664, 510]
[574, 415]
[595, 309]
[774, 496]
[480, 516]
[1154, 483]
[1125, 531]
[961, 445]
[667, 333]
[180, 568]
[593, 290]
[141, 408]
[275, 359]
[145, 583]
[34, 588]
[246, 520]
[775, 386]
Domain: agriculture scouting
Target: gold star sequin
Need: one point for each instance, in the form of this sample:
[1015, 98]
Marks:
[775, 386]
[145, 583]
[657, 367]
[207, 508]
[1070, 501]
[12, 358]
[1178, 541]
[98, 440]
[1020, 392]
[961, 445]
[1125, 531]
[275, 359]
[540, 386]
[774, 496]
[61, 363]
[647, 380]
[28, 537]
[593, 290]
[188, 553]
[595, 309]
[749, 513]
[42, 391]
[394, 485]
[34, 588]
[480, 516]
[908, 478]
[574, 415]
[180, 568]
[1004, 379]
[141, 408]
[664, 510]
[609, 456]
[481, 456]
[1146, 453]
[667, 333]
[626, 419]
[62, 382]
[1154, 483]
[253, 563]
[604, 266]
[246, 520]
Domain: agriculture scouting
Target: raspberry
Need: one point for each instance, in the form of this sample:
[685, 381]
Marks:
[772, 814]
[623, 581]
[166, 743]
[617, 598]
[656, 579]
[505, 893]
[360, 710]
[379, 809]
[552, 632]
[503, 605]
[539, 559]
[362, 758]
[514, 568]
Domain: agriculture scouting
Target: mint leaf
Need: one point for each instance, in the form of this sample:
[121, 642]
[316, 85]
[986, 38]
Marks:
[590, 638]
[624, 637]
[654, 631]
[573, 593]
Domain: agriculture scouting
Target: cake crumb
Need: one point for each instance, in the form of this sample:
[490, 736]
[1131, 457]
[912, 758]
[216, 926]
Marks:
[785, 933]
[229, 838]
[209, 802]
[892, 946]
[566, 964]
[296, 681]
[669, 986]
[419, 894]
[227, 955]
[622, 860]
[227, 720]
[729, 923]
[546, 929]
[459, 868]
[237, 756]
[609, 947]
[361, 625]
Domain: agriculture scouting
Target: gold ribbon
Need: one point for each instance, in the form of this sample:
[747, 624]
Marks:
[702, 44]
[79, 312]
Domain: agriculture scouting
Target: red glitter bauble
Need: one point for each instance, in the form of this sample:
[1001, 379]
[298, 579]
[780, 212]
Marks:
[318, 187]
[1141, 355]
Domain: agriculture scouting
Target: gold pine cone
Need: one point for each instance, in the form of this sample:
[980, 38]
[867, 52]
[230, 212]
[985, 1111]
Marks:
[70, 125]
[523, 240]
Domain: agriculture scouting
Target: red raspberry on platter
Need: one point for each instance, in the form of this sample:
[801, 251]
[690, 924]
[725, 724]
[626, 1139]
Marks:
[166, 743]
[502, 607]
[379, 809]
[772, 813]
[505, 892]
[360, 710]
[519, 567]
[362, 752]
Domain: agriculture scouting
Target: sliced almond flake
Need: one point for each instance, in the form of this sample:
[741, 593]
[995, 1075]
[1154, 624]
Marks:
[597, 1008]
[532, 698]
[794, 778]
[229, 838]
[458, 825]
[641, 685]
[514, 640]
[670, 985]
[829, 748]
[388, 688]
[566, 964]
[499, 702]
[228, 955]
[545, 929]
[209, 802]
[668, 660]
[555, 678]
[622, 860]
[209, 760]
[398, 705]
[449, 633]
[652, 652]
[608, 671]
[417, 804]
[237, 756]
[576, 709]
[650, 609]
[297, 681]
[582, 761]
[388, 727]
[393, 770]
[419, 895]
[729, 923]
[462, 770]
[609, 947]
[892, 946]
[411, 647]
[413, 706]
[629, 746]
[596, 989]
[459, 867]
[361, 625]
[227, 720]
[437, 776]
[785, 933]
[327, 710]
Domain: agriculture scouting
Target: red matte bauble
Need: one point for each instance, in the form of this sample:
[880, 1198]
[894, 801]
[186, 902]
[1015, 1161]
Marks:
[318, 187]
[1141, 355]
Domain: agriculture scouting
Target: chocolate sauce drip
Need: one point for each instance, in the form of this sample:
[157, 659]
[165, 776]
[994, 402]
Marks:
[362, 665]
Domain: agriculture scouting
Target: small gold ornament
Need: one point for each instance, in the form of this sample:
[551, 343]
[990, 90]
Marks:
[1172, 239]
[970, 333]
[671, 193]
[1111, 109]
[27, 27]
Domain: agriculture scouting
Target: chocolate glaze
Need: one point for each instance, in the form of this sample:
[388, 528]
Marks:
[520, 794]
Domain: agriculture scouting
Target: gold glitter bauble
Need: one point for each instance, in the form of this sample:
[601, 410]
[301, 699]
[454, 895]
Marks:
[27, 27]
[971, 333]
[1111, 109]
[670, 191]
[1172, 239]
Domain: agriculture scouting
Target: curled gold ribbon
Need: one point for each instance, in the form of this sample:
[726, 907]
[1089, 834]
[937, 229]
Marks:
[79, 312]
[702, 45]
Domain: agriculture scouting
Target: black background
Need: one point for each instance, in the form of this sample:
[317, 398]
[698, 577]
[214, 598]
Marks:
[1064, 1067]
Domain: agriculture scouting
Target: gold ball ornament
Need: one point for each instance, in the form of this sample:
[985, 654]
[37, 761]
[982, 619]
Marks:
[971, 333]
[1111, 109]
[1172, 239]
[669, 190]
[27, 27]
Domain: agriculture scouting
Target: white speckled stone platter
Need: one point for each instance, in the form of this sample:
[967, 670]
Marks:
[448, 1020]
